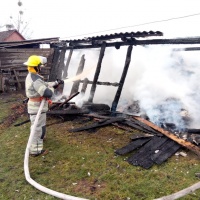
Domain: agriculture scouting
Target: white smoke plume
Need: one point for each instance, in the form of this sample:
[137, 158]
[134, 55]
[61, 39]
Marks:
[168, 85]
[163, 81]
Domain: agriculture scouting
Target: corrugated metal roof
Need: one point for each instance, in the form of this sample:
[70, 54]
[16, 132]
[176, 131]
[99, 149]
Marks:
[121, 36]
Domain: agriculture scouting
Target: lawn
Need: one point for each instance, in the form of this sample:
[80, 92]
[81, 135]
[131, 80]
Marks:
[83, 164]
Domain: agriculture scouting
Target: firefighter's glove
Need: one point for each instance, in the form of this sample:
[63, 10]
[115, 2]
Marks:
[57, 83]
[60, 81]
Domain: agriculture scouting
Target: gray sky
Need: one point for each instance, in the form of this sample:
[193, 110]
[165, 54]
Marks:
[62, 18]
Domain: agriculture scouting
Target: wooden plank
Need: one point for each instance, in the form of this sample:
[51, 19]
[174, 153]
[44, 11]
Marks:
[168, 149]
[180, 141]
[139, 127]
[132, 146]
[101, 123]
[18, 83]
[143, 156]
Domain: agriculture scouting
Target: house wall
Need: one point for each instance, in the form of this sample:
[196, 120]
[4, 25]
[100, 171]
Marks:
[14, 37]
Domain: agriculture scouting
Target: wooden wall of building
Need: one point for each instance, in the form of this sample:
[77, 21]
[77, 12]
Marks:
[12, 68]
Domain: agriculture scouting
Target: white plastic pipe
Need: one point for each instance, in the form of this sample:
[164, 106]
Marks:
[26, 165]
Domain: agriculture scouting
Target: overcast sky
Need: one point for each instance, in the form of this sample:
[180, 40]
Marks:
[48, 18]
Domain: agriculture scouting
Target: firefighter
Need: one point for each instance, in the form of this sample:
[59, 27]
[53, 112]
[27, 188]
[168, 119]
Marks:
[37, 89]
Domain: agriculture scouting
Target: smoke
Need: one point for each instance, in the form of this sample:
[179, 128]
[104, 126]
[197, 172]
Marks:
[168, 86]
[164, 82]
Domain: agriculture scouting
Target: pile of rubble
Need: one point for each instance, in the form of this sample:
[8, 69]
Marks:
[154, 145]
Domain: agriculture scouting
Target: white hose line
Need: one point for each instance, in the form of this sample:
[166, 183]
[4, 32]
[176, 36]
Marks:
[181, 193]
[26, 165]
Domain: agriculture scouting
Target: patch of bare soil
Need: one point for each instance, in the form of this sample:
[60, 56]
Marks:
[87, 187]
[17, 107]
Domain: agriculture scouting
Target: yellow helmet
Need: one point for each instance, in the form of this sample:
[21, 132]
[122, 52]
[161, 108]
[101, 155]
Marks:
[33, 61]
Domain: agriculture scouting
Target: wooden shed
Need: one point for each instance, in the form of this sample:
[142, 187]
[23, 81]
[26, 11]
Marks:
[14, 54]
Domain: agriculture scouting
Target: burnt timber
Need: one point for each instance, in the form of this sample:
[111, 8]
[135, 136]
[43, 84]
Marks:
[139, 42]
[180, 141]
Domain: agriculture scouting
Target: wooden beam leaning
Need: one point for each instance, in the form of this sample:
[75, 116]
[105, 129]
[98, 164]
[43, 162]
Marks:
[76, 84]
[180, 141]
[61, 63]
[84, 86]
[53, 72]
[96, 76]
[19, 87]
[123, 77]
[65, 70]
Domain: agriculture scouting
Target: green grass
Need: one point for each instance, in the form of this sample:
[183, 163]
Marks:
[83, 164]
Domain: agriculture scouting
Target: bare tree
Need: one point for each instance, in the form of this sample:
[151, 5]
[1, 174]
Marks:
[19, 23]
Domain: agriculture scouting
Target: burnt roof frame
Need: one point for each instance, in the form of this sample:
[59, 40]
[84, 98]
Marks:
[127, 39]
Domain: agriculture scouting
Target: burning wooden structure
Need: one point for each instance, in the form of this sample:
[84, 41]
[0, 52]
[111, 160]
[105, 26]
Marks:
[145, 152]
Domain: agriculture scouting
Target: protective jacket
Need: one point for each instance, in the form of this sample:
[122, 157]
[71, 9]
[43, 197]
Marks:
[36, 88]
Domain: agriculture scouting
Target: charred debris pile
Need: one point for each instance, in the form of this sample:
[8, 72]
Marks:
[153, 145]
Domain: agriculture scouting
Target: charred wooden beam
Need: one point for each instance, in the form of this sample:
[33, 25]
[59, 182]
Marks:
[139, 127]
[102, 83]
[53, 72]
[65, 70]
[96, 76]
[65, 102]
[148, 128]
[197, 131]
[76, 84]
[180, 141]
[69, 111]
[101, 123]
[21, 123]
[187, 49]
[61, 64]
[123, 77]
[141, 42]
[84, 86]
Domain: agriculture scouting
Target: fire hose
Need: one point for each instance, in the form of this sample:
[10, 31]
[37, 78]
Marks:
[26, 157]
[26, 164]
